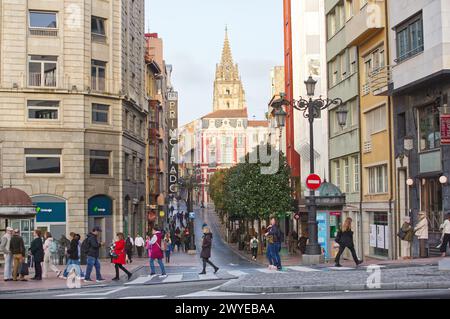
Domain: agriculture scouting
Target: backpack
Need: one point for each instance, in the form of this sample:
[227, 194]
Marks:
[85, 246]
[53, 247]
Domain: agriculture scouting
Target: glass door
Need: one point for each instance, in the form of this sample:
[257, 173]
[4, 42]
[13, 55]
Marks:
[431, 202]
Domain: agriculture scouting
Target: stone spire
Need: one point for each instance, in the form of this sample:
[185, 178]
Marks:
[227, 58]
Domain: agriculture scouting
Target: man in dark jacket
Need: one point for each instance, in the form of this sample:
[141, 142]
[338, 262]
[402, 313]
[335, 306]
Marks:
[17, 248]
[206, 250]
[275, 232]
[73, 256]
[93, 252]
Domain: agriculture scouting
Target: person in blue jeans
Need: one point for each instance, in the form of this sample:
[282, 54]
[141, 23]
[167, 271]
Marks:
[74, 256]
[93, 251]
[270, 248]
[275, 232]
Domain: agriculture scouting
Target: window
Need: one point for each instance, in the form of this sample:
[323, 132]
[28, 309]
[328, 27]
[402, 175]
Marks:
[374, 62]
[42, 70]
[100, 113]
[43, 23]
[40, 19]
[127, 115]
[43, 110]
[346, 175]
[375, 121]
[127, 165]
[348, 9]
[378, 179]
[356, 173]
[99, 162]
[98, 26]
[133, 172]
[337, 173]
[409, 38]
[353, 57]
[98, 75]
[429, 128]
[227, 150]
[133, 124]
[141, 170]
[43, 161]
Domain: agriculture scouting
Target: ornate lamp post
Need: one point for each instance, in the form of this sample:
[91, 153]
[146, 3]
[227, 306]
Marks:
[311, 109]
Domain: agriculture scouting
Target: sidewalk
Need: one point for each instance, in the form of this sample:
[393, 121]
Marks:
[326, 280]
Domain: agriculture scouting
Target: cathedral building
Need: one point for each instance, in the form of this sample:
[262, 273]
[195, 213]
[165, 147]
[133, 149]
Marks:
[222, 138]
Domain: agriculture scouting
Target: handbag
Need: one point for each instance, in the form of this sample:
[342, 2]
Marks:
[23, 270]
[401, 234]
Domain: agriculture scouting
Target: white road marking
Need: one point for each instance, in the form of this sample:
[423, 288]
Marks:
[207, 293]
[340, 268]
[88, 293]
[208, 276]
[140, 280]
[267, 271]
[144, 297]
[302, 269]
[173, 278]
[237, 273]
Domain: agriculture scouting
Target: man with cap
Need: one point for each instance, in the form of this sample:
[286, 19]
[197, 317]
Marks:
[5, 249]
[93, 252]
[406, 234]
[421, 231]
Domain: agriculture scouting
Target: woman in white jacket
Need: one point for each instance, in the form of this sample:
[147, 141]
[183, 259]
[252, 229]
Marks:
[421, 231]
[445, 235]
[49, 247]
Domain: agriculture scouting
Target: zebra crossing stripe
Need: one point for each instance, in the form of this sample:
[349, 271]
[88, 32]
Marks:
[266, 270]
[173, 278]
[302, 269]
[140, 280]
[208, 276]
[237, 273]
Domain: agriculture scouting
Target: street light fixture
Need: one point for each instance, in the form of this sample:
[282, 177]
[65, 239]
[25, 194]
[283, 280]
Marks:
[311, 109]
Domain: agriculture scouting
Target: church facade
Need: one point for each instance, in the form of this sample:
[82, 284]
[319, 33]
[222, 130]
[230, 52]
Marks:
[222, 138]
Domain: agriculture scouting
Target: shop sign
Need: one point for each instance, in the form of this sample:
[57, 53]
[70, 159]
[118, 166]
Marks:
[50, 212]
[100, 206]
[445, 129]
[322, 225]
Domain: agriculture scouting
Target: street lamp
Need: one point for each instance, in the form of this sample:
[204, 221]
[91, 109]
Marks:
[311, 109]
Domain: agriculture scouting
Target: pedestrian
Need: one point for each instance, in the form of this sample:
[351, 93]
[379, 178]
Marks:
[167, 246]
[37, 251]
[139, 243]
[206, 250]
[446, 235]
[406, 234]
[91, 248]
[5, 248]
[119, 256]
[254, 243]
[17, 249]
[50, 250]
[276, 245]
[73, 254]
[129, 248]
[187, 240]
[178, 239]
[421, 232]
[63, 245]
[344, 238]
[155, 251]
[270, 248]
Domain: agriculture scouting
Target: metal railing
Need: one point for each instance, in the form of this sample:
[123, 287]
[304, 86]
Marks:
[409, 54]
[43, 32]
[42, 80]
[380, 79]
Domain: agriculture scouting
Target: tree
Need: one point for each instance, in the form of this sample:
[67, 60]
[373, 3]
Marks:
[217, 190]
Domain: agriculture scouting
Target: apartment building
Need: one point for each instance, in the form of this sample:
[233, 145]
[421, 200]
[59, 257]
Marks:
[73, 112]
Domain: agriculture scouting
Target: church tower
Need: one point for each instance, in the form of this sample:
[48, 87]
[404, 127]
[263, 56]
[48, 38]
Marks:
[228, 90]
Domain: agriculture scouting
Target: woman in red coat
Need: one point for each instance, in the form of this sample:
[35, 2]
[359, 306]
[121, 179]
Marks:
[120, 260]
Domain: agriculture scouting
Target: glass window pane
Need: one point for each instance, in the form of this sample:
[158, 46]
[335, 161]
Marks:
[99, 166]
[43, 165]
[42, 20]
[43, 114]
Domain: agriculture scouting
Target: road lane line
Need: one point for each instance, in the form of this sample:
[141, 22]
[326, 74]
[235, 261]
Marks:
[144, 297]
[173, 278]
[87, 293]
[302, 269]
[237, 273]
[140, 280]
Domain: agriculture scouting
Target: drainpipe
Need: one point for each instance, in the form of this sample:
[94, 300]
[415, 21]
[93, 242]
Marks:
[392, 219]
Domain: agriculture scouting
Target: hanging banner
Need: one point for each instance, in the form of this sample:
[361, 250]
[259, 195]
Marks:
[173, 142]
[445, 129]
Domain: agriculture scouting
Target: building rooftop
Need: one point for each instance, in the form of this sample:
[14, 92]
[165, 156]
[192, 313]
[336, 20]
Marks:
[241, 113]
[14, 197]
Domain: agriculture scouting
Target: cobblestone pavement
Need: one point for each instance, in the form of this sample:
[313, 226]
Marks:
[332, 279]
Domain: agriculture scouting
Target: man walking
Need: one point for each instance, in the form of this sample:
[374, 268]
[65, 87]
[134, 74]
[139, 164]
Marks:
[275, 232]
[17, 248]
[129, 248]
[139, 243]
[5, 248]
[92, 250]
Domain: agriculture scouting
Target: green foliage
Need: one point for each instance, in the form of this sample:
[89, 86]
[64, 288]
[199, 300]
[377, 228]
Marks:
[250, 194]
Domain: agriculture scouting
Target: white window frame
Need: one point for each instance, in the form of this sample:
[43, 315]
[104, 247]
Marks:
[42, 72]
[108, 122]
[97, 67]
[60, 156]
[101, 157]
[57, 108]
[373, 179]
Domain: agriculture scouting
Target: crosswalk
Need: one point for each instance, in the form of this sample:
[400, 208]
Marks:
[227, 274]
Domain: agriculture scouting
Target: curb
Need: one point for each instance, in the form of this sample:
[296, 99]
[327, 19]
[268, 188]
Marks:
[18, 291]
[333, 288]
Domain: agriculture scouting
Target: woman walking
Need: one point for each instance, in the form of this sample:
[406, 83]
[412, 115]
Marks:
[167, 246]
[50, 249]
[206, 250]
[345, 240]
[445, 235]
[155, 251]
[119, 256]
[37, 250]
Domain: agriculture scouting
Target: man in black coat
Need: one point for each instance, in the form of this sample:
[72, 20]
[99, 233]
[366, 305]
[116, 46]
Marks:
[37, 250]
[206, 250]
[17, 249]
[93, 252]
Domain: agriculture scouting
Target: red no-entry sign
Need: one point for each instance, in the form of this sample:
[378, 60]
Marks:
[313, 182]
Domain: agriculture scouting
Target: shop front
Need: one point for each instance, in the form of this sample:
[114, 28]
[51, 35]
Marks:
[51, 214]
[100, 213]
[379, 234]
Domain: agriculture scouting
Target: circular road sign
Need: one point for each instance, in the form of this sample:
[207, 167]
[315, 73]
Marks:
[313, 182]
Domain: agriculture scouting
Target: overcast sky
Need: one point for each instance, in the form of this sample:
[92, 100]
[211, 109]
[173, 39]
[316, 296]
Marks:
[193, 34]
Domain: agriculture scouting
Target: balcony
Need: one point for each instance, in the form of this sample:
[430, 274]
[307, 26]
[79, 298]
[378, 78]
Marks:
[366, 23]
[380, 81]
[43, 32]
[38, 79]
[98, 38]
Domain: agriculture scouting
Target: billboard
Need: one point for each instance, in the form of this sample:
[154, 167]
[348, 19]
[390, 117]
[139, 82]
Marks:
[173, 142]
